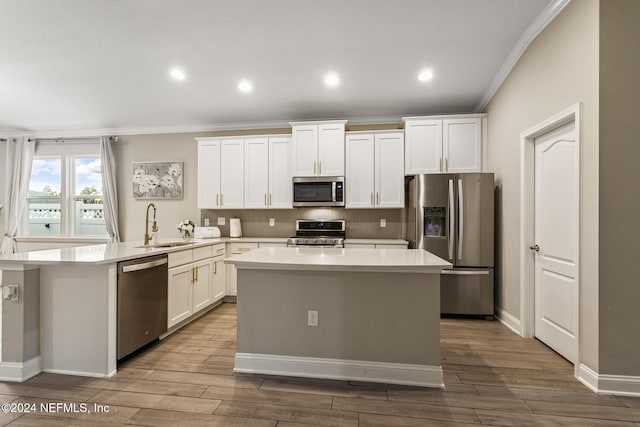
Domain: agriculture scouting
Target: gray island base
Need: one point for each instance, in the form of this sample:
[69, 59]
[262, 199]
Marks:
[378, 314]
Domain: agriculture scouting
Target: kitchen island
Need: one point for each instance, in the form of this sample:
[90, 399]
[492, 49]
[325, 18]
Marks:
[349, 314]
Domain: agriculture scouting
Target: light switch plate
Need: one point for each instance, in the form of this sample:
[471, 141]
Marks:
[383, 222]
[272, 222]
[206, 222]
[312, 318]
[221, 220]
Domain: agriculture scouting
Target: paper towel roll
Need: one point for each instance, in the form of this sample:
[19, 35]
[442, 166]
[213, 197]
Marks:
[235, 229]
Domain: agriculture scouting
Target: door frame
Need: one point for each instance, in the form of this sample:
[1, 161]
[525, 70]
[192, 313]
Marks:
[527, 219]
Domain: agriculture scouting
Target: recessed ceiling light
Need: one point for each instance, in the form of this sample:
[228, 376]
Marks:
[425, 75]
[245, 86]
[332, 79]
[177, 74]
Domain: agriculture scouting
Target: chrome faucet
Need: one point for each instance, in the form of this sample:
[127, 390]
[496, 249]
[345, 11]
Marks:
[154, 227]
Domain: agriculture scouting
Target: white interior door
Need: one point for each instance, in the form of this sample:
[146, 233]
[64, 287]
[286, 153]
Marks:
[556, 245]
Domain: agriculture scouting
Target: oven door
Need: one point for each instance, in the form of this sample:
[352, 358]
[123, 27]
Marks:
[318, 192]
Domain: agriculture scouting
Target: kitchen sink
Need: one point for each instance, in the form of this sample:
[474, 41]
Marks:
[166, 245]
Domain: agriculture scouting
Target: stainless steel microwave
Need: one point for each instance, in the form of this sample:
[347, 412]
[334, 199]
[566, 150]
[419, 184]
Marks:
[318, 191]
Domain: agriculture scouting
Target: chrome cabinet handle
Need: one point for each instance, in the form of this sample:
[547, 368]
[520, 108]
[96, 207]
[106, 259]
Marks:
[217, 200]
[221, 200]
[535, 248]
[446, 164]
[314, 167]
[320, 168]
[377, 198]
[265, 199]
[372, 204]
[440, 164]
[270, 199]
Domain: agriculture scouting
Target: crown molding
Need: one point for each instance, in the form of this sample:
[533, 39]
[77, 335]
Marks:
[546, 16]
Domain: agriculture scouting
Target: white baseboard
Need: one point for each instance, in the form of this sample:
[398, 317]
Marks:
[340, 369]
[19, 372]
[620, 385]
[77, 373]
[508, 320]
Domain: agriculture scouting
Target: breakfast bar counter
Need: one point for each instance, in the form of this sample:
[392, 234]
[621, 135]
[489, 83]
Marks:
[349, 314]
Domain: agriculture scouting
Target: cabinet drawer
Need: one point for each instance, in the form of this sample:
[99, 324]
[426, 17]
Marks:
[202, 253]
[238, 248]
[218, 250]
[180, 257]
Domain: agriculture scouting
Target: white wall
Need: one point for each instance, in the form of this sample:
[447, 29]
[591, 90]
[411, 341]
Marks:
[559, 69]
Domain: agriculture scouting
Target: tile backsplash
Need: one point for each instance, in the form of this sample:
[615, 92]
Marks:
[360, 223]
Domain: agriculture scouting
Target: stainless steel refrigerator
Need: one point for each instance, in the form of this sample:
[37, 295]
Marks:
[452, 216]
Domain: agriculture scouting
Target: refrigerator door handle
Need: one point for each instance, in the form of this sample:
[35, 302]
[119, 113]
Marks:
[461, 218]
[452, 215]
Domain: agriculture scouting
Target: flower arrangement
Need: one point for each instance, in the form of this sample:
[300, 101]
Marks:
[186, 228]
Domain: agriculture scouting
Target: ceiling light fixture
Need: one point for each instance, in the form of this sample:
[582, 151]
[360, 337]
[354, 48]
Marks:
[177, 74]
[332, 79]
[425, 75]
[245, 86]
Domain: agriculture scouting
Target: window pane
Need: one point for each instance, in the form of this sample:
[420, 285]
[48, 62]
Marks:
[88, 179]
[89, 217]
[44, 217]
[45, 177]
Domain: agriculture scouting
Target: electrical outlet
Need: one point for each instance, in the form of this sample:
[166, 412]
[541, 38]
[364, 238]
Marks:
[206, 222]
[383, 222]
[221, 220]
[312, 318]
[272, 222]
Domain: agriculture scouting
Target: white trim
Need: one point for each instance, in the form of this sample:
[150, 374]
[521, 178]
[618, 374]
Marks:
[620, 385]
[19, 372]
[340, 369]
[527, 216]
[540, 23]
[508, 320]
[78, 373]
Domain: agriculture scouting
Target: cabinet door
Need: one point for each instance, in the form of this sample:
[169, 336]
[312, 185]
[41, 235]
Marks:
[256, 160]
[280, 185]
[180, 294]
[209, 174]
[202, 272]
[389, 170]
[232, 173]
[331, 149]
[218, 284]
[462, 145]
[423, 151]
[304, 150]
[360, 171]
[232, 279]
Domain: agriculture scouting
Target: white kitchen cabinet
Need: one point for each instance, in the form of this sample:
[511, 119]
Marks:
[267, 177]
[375, 170]
[195, 278]
[220, 173]
[236, 248]
[318, 148]
[209, 173]
[443, 145]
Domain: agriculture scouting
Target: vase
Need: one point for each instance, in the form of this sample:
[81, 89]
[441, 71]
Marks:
[186, 236]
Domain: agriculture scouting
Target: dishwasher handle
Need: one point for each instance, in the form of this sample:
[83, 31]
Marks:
[143, 265]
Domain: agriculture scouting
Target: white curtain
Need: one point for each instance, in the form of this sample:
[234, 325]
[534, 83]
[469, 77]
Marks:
[109, 190]
[19, 159]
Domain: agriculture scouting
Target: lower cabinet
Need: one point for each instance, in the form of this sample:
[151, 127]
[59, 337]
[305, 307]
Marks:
[195, 285]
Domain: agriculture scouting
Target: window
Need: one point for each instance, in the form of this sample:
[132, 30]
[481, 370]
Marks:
[65, 191]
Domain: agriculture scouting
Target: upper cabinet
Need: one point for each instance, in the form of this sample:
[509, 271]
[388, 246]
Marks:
[220, 173]
[443, 145]
[375, 169]
[318, 148]
[267, 176]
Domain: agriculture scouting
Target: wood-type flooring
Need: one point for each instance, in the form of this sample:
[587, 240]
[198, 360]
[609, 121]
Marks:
[492, 377]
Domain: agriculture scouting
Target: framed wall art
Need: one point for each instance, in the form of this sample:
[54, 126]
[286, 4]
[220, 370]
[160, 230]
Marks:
[157, 180]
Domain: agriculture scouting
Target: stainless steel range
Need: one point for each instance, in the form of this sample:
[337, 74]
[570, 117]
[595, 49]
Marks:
[318, 234]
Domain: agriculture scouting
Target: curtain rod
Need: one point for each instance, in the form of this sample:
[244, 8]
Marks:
[112, 137]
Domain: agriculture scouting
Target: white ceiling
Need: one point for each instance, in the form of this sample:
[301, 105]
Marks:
[86, 65]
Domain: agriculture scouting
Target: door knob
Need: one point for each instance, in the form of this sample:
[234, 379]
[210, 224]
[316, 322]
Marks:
[535, 248]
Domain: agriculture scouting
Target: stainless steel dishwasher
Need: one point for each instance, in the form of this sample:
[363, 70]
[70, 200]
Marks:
[142, 302]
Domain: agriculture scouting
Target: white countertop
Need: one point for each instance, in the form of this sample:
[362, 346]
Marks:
[376, 241]
[106, 253]
[348, 259]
